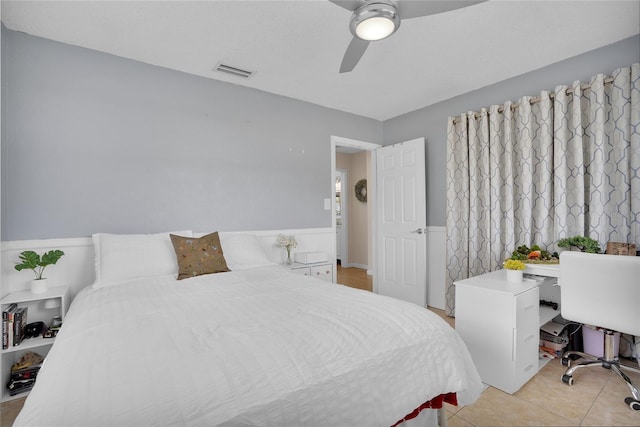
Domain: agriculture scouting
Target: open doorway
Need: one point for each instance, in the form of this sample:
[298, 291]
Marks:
[353, 219]
[342, 214]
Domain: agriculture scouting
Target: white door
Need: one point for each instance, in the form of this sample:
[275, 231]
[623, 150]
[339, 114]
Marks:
[401, 221]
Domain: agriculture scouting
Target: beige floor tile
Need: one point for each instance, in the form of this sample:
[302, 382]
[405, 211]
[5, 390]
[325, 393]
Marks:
[496, 408]
[610, 410]
[454, 421]
[618, 387]
[9, 411]
[452, 410]
[546, 390]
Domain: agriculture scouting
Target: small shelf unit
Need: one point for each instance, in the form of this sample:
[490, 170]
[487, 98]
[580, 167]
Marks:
[36, 312]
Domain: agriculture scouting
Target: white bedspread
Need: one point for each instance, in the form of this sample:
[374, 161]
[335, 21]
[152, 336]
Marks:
[262, 347]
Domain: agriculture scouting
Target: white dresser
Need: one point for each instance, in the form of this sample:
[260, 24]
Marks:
[500, 324]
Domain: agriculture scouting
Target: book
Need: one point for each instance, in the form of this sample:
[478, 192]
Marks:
[552, 328]
[19, 322]
[14, 327]
[5, 325]
[10, 314]
[22, 380]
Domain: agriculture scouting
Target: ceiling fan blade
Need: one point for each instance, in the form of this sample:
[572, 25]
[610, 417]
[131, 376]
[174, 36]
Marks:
[354, 52]
[414, 9]
[349, 4]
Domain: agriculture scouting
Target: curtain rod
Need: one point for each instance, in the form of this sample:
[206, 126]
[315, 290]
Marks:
[536, 99]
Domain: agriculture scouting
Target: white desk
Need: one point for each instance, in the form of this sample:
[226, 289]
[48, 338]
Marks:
[500, 323]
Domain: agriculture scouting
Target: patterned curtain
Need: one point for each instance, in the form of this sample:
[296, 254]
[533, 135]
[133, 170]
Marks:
[562, 164]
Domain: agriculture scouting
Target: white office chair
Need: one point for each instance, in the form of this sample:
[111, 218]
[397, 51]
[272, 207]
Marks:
[604, 291]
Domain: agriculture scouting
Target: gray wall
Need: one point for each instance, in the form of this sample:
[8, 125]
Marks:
[96, 143]
[92, 142]
[431, 122]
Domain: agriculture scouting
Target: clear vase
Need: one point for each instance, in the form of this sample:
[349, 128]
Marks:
[289, 261]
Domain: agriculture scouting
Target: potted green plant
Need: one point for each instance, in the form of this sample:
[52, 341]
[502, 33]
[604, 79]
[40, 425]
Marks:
[515, 270]
[584, 244]
[33, 261]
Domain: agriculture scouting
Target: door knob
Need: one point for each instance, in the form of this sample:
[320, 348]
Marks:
[419, 230]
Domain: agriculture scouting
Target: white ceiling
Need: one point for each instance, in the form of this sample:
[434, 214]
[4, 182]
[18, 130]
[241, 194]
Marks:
[296, 47]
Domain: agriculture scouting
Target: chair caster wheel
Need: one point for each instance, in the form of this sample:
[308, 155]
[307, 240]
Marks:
[567, 379]
[565, 361]
[633, 404]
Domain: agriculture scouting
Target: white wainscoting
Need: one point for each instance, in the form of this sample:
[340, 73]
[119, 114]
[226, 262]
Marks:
[76, 268]
[436, 266]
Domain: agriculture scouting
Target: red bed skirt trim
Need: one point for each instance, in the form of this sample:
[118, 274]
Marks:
[435, 403]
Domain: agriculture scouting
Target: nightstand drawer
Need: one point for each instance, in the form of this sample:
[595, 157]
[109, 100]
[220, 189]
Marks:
[528, 311]
[320, 271]
[306, 271]
[324, 272]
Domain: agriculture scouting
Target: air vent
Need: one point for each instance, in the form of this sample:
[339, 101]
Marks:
[234, 71]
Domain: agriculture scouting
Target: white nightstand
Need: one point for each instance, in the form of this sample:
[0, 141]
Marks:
[320, 270]
[36, 313]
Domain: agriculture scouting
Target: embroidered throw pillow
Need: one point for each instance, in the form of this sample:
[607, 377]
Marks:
[197, 256]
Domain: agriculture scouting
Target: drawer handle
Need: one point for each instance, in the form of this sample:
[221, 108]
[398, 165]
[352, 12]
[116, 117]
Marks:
[529, 307]
[529, 338]
[528, 368]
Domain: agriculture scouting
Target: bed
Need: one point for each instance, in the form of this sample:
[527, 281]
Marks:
[253, 346]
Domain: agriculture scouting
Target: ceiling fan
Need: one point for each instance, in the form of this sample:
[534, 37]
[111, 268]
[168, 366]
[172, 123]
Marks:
[374, 20]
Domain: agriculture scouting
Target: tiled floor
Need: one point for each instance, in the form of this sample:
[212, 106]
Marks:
[9, 411]
[595, 399]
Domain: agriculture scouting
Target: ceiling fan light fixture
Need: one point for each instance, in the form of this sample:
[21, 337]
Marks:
[376, 28]
[375, 21]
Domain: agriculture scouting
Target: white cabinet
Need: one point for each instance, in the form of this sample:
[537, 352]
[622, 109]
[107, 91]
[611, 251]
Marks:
[58, 298]
[500, 324]
[322, 271]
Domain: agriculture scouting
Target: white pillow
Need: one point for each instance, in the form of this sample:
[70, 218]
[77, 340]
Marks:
[243, 251]
[127, 256]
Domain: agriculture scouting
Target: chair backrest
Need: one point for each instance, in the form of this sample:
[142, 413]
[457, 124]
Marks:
[601, 290]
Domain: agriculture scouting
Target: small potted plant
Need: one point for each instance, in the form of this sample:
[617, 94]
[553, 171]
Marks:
[33, 261]
[515, 269]
[287, 242]
[584, 244]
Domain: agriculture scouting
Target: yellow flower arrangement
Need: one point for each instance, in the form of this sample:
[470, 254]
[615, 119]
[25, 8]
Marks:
[514, 264]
